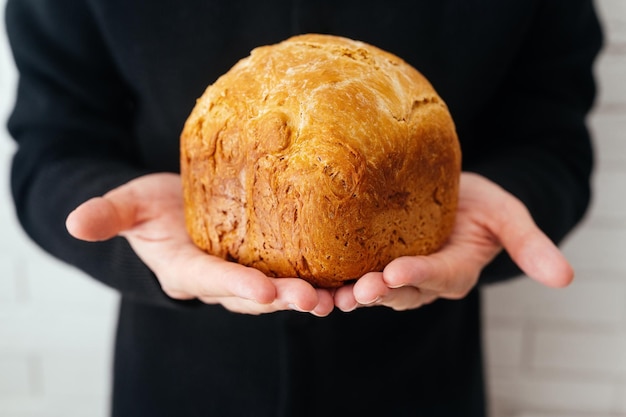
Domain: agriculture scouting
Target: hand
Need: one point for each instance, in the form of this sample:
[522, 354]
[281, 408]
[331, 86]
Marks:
[488, 220]
[148, 212]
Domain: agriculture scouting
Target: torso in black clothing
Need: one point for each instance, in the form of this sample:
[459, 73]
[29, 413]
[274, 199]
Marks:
[370, 362]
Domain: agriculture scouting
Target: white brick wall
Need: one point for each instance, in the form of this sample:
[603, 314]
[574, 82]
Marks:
[550, 353]
[55, 326]
[562, 353]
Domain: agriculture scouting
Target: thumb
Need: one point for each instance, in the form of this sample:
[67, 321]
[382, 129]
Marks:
[536, 255]
[102, 218]
[540, 259]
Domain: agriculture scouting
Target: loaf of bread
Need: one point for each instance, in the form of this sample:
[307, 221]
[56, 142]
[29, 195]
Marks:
[320, 157]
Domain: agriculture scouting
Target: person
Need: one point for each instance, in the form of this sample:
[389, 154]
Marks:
[104, 89]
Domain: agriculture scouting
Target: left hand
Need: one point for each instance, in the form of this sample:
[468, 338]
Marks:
[488, 220]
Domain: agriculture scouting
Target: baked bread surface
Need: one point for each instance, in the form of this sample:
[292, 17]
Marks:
[320, 157]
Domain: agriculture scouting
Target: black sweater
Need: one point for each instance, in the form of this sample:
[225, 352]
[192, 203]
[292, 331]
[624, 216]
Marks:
[104, 89]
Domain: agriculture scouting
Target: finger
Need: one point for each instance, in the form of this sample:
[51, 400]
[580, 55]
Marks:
[185, 269]
[325, 304]
[451, 272]
[407, 298]
[124, 207]
[292, 294]
[295, 294]
[368, 290]
[536, 255]
[344, 299]
[372, 290]
[98, 219]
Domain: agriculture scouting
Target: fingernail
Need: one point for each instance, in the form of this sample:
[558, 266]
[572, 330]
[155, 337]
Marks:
[295, 307]
[374, 301]
[351, 308]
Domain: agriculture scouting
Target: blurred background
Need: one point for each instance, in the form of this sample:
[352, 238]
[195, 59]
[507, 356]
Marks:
[550, 353]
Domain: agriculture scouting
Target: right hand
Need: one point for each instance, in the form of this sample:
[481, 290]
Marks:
[148, 212]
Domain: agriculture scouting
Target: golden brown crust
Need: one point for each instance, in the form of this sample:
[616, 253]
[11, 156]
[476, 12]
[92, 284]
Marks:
[320, 157]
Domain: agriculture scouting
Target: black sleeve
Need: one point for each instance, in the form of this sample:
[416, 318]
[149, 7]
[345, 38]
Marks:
[72, 125]
[534, 139]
